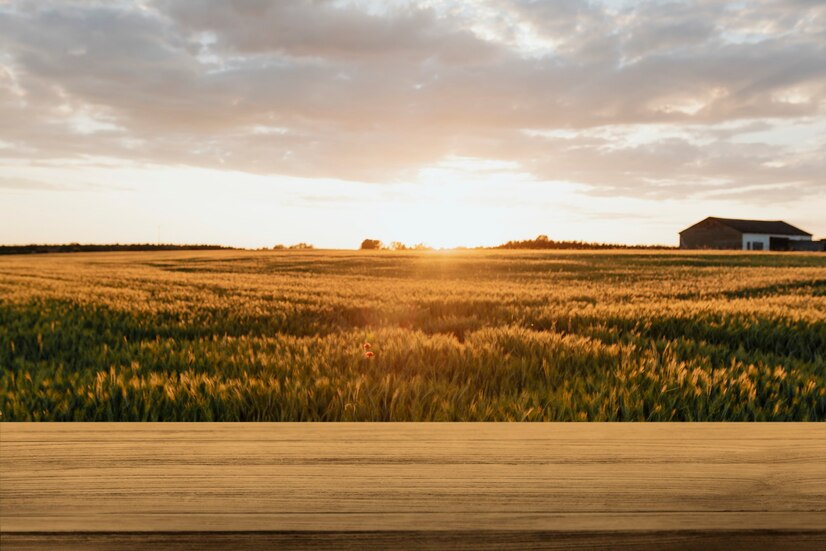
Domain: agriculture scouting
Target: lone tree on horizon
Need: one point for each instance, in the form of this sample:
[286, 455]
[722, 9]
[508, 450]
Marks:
[371, 245]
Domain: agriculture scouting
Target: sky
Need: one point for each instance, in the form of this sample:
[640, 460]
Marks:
[447, 122]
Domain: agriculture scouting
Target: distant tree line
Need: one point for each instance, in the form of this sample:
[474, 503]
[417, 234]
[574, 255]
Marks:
[298, 246]
[376, 245]
[543, 242]
[80, 248]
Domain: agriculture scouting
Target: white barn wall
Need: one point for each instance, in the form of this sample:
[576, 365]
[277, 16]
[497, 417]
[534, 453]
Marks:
[765, 237]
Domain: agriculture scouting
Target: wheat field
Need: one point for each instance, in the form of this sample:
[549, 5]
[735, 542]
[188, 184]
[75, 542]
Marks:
[454, 336]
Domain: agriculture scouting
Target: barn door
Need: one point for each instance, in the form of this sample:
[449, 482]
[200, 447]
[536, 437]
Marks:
[778, 243]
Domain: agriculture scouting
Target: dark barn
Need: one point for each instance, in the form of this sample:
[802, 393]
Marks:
[746, 235]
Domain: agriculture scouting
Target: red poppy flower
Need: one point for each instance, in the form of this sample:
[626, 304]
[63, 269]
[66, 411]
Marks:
[368, 355]
[367, 346]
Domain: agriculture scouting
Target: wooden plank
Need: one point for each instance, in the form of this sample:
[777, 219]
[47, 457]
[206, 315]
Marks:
[468, 541]
[293, 483]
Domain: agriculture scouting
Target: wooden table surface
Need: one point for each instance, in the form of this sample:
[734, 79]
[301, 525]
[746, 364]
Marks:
[429, 485]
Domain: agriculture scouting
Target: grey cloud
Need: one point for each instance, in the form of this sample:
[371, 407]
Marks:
[328, 30]
[676, 168]
[770, 194]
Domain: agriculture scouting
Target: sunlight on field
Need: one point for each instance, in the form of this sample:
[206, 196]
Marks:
[476, 335]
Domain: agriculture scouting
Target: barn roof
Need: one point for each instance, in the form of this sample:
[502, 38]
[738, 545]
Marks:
[776, 227]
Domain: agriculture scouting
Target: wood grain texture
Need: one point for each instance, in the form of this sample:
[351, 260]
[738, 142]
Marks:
[106, 485]
[459, 541]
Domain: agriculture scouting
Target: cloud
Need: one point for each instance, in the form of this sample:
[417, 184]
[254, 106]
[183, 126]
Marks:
[326, 30]
[28, 184]
[376, 92]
